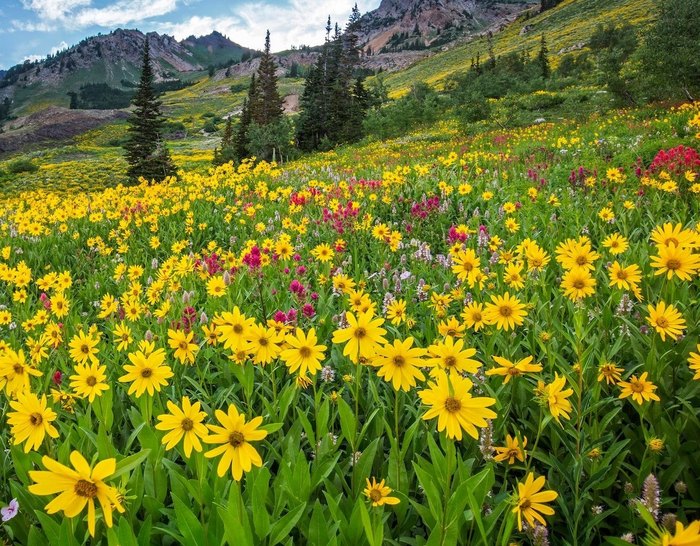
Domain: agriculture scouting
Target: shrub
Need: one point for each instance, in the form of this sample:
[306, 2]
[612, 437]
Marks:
[22, 166]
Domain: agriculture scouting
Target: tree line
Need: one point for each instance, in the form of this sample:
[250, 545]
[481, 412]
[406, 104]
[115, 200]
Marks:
[336, 107]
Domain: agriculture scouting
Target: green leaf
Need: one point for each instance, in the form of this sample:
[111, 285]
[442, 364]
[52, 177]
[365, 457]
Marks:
[52, 530]
[260, 487]
[363, 467]
[130, 462]
[66, 536]
[125, 534]
[347, 422]
[319, 526]
[190, 527]
[367, 523]
[282, 527]
[427, 481]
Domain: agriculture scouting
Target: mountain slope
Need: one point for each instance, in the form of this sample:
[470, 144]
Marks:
[114, 59]
[567, 27]
[398, 25]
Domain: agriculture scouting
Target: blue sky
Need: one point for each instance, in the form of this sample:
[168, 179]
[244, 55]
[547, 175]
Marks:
[30, 29]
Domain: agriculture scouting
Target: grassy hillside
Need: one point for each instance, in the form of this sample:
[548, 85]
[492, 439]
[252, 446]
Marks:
[453, 317]
[570, 23]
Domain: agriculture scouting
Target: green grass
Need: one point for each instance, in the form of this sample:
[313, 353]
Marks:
[570, 23]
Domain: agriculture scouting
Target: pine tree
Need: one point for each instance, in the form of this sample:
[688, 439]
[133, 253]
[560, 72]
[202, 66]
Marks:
[671, 52]
[334, 103]
[270, 109]
[146, 153]
[227, 152]
[543, 59]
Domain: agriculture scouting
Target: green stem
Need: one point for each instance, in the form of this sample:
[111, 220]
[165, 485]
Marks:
[537, 441]
[398, 441]
[450, 454]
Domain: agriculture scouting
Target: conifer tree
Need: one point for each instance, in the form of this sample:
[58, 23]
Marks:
[227, 151]
[334, 102]
[543, 59]
[270, 106]
[146, 153]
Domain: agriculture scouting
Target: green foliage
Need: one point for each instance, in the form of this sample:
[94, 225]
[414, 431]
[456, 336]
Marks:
[146, 153]
[262, 130]
[226, 151]
[5, 107]
[22, 166]
[100, 96]
[612, 46]
[422, 106]
[335, 101]
[273, 141]
[671, 52]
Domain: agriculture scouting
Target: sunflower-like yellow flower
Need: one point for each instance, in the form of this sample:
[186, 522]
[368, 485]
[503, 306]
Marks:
[379, 493]
[694, 362]
[361, 337]
[89, 380]
[31, 420]
[666, 320]
[639, 389]
[15, 371]
[452, 403]
[147, 371]
[616, 243]
[400, 363]
[303, 355]
[83, 347]
[183, 423]
[77, 488]
[473, 316]
[531, 501]
[185, 348]
[578, 283]
[505, 312]
[609, 372]
[235, 436]
[626, 278]
[511, 451]
[510, 369]
[232, 328]
[670, 234]
[216, 286]
[682, 536]
[453, 356]
[556, 397]
[676, 261]
[263, 343]
[465, 264]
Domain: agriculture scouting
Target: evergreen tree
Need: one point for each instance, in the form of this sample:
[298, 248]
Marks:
[543, 59]
[334, 102]
[241, 142]
[612, 47]
[5, 109]
[227, 151]
[270, 106]
[146, 153]
[671, 52]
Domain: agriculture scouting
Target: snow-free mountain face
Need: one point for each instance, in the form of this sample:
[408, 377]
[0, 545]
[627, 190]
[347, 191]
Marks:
[400, 25]
[115, 59]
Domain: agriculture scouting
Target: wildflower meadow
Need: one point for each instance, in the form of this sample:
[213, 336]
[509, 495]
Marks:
[435, 340]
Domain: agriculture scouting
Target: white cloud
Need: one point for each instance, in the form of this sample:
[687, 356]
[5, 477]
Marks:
[77, 14]
[54, 10]
[60, 47]
[122, 13]
[32, 58]
[294, 23]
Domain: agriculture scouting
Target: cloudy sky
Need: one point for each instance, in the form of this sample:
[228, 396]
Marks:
[31, 29]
